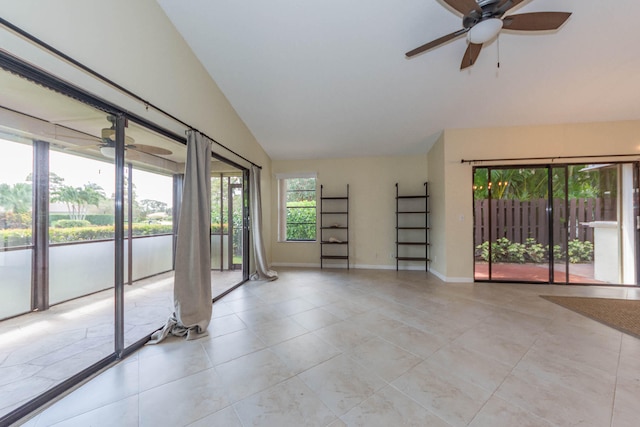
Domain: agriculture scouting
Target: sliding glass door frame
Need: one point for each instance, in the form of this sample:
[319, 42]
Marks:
[40, 199]
[561, 226]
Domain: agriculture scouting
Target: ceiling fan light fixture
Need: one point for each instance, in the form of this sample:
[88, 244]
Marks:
[485, 30]
[108, 152]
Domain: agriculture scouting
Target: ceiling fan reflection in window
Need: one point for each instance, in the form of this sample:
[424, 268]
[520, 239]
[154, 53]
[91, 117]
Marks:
[108, 145]
[482, 20]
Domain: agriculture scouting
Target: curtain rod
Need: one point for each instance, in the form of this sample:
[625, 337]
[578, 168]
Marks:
[110, 82]
[552, 158]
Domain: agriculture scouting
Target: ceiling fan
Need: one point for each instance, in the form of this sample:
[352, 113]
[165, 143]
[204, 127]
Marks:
[107, 145]
[483, 20]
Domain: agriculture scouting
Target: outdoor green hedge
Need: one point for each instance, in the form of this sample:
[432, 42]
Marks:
[20, 237]
[95, 219]
[301, 221]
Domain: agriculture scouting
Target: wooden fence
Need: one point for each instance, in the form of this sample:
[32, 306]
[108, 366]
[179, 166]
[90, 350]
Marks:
[518, 220]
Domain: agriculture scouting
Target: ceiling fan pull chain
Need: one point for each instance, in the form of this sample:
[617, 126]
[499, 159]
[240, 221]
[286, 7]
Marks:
[498, 44]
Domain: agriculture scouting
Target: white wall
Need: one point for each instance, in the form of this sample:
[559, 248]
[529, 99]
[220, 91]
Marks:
[372, 205]
[134, 44]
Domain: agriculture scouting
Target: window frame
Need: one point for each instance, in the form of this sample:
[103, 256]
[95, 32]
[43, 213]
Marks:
[282, 182]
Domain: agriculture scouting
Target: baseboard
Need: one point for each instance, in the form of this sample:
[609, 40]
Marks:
[376, 267]
[293, 264]
[451, 279]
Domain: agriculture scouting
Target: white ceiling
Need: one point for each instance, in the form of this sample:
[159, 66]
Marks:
[329, 78]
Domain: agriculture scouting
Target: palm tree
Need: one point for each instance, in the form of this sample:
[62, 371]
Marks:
[78, 199]
[16, 198]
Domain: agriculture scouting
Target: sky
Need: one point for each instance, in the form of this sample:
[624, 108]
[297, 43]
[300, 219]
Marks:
[16, 163]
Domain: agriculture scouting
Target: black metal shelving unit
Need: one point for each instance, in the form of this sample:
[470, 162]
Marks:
[334, 227]
[412, 227]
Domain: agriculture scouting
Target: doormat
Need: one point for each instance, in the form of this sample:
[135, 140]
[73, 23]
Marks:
[621, 314]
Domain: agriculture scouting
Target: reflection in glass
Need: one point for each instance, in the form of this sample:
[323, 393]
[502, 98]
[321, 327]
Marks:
[81, 223]
[227, 204]
[15, 227]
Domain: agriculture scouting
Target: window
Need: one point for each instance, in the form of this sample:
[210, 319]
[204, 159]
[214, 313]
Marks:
[297, 208]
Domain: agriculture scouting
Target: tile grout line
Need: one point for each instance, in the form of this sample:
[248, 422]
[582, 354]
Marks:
[615, 388]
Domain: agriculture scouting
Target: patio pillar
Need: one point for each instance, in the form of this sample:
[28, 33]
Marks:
[40, 212]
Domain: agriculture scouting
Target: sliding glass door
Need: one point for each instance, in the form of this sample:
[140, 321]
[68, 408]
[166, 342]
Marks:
[557, 223]
[88, 198]
[513, 205]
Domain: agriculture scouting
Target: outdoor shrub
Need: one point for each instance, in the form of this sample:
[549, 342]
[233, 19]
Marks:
[301, 221]
[215, 228]
[100, 219]
[503, 250]
[65, 235]
[516, 253]
[15, 220]
[535, 252]
[94, 219]
[558, 253]
[20, 237]
[71, 223]
[579, 251]
[15, 237]
[151, 229]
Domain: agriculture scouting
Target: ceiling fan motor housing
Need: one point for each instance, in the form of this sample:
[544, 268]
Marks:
[489, 10]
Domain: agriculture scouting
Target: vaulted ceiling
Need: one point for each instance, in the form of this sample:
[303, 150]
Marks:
[318, 79]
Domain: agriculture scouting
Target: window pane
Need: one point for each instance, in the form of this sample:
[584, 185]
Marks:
[81, 198]
[150, 163]
[301, 209]
[15, 228]
[81, 209]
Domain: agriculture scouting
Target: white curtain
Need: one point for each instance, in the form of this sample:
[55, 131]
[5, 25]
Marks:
[192, 285]
[262, 271]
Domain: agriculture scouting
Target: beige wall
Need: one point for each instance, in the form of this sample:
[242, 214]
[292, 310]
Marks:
[519, 142]
[437, 200]
[134, 44]
[372, 205]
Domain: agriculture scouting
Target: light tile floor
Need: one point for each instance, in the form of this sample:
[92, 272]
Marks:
[41, 349]
[375, 348]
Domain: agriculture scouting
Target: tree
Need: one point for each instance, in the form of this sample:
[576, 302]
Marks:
[16, 198]
[78, 199]
[148, 206]
[532, 183]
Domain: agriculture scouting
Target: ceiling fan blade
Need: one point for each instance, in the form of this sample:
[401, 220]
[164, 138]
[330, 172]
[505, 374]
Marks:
[110, 134]
[82, 147]
[436, 42]
[150, 149]
[535, 21]
[470, 55]
[463, 6]
[508, 4]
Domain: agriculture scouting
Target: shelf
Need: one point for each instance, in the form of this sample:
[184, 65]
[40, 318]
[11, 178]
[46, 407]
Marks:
[330, 208]
[412, 240]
